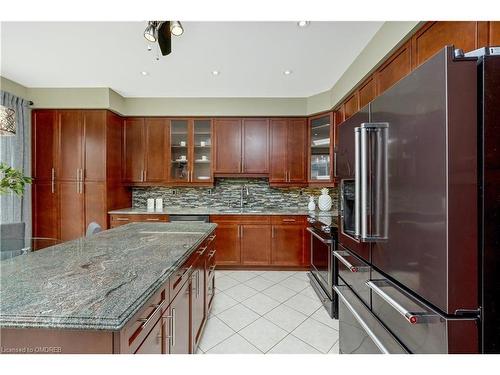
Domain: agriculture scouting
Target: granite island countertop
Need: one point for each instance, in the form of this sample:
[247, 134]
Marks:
[175, 210]
[95, 283]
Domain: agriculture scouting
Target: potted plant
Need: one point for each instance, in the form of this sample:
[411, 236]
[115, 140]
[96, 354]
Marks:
[12, 180]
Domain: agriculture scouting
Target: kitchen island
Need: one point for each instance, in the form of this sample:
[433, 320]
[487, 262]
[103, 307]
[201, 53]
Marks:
[142, 287]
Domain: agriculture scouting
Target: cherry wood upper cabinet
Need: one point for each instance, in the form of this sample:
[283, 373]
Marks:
[94, 135]
[156, 149]
[366, 92]
[227, 138]
[436, 35]
[288, 151]
[397, 67]
[255, 146]
[44, 144]
[278, 151]
[321, 146]
[351, 105]
[493, 33]
[134, 147]
[297, 151]
[70, 145]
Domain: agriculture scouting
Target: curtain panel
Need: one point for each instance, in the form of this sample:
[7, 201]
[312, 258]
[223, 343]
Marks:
[15, 151]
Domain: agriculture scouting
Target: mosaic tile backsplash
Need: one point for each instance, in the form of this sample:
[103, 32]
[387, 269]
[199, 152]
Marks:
[226, 193]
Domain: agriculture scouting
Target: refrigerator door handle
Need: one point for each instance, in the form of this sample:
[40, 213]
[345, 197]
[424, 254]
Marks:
[361, 322]
[371, 182]
[411, 317]
[357, 183]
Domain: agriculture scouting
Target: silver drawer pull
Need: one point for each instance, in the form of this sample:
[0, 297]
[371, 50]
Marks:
[361, 322]
[211, 254]
[148, 319]
[151, 219]
[121, 219]
[340, 256]
[411, 317]
[202, 250]
[212, 237]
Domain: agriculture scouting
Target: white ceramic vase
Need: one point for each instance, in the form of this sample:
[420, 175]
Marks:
[311, 205]
[324, 200]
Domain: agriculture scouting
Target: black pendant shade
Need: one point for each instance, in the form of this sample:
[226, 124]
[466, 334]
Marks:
[165, 38]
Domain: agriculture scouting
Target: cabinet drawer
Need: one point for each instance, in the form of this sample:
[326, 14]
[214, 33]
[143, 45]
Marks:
[117, 219]
[142, 323]
[241, 219]
[288, 219]
[353, 272]
[179, 278]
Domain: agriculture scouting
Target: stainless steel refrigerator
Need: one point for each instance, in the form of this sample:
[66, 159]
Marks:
[419, 218]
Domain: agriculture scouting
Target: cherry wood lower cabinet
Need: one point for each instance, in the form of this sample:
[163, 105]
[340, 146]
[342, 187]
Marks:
[247, 241]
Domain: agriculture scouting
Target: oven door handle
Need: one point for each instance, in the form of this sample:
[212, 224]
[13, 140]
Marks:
[340, 256]
[324, 240]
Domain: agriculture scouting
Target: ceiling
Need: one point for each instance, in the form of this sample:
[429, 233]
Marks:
[250, 56]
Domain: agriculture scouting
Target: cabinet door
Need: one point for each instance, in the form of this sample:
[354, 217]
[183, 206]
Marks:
[321, 134]
[133, 163]
[287, 245]
[71, 210]
[255, 146]
[227, 136]
[180, 155]
[153, 343]
[395, 68]
[202, 151]
[255, 244]
[95, 204]
[278, 150]
[70, 145]
[44, 141]
[351, 105]
[180, 334]
[156, 150]
[94, 130]
[45, 202]
[366, 92]
[198, 300]
[436, 35]
[228, 244]
[296, 150]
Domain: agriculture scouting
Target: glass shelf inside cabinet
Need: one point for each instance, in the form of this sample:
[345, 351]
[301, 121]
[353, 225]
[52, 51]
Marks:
[202, 166]
[179, 167]
[320, 148]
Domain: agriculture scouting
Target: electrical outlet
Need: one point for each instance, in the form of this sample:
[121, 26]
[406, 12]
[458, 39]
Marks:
[209, 191]
[174, 191]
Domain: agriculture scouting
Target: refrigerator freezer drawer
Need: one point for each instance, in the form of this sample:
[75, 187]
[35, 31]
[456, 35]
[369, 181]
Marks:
[353, 272]
[360, 331]
[416, 325]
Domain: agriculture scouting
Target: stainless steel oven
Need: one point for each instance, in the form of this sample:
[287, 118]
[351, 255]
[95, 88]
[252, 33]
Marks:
[323, 264]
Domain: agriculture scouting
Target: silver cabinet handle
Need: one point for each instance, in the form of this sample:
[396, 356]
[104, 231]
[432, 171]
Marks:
[272, 231]
[152, 219]
[340, 256]
[211, 254]
[82, 176]
[121, 219]
[53, 181]
[172, 321]
[335, 161]
[318, 236]
[78, 180]
[241, 226]
[360, 320]
[148, 319]
[198, 284]
[411, 317]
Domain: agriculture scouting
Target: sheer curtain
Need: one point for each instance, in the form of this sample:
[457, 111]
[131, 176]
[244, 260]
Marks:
[15, 151]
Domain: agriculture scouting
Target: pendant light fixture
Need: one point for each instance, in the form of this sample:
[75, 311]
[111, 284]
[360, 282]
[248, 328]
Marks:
[161, 32]
[7, 121]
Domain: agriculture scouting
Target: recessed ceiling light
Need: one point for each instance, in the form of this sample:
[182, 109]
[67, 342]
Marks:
[287, 72]
[303, 23]
[144, 73]
[215, 72]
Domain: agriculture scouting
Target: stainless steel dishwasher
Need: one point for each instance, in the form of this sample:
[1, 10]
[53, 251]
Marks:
[190, 218]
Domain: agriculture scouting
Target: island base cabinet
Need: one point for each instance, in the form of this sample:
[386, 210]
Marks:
[179, 318]
[153, 343]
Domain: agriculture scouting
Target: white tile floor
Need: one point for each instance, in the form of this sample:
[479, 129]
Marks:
[274, 312]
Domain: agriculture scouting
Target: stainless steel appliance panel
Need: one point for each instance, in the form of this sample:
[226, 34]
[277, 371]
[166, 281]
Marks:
[360, 331]
[432, 241]
[419, 327]
[353, 272]
[321, 260]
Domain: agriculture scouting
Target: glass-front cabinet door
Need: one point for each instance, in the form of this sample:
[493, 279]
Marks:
[202, 151]
[179, 151]
[321, 142]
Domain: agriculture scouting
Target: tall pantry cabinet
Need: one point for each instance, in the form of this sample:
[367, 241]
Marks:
[76, 169]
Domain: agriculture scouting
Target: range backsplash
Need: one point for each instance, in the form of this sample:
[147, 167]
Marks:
[226, 193]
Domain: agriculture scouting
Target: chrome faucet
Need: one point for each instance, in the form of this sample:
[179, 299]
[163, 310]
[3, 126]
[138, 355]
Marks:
[243, 191]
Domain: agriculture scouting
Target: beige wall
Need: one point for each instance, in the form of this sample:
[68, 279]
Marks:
[389, 37]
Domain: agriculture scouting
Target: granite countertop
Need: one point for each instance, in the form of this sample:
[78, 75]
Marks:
[221, 211]
[95, 283]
